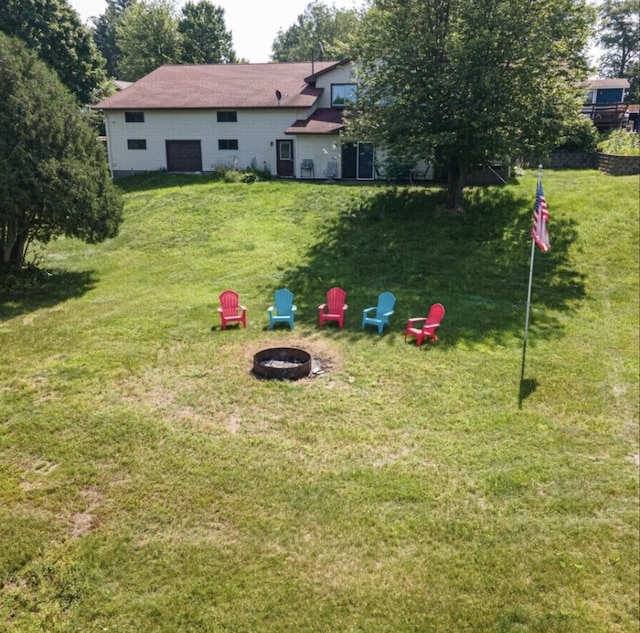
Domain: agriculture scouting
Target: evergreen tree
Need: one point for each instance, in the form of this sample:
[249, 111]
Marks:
[53, 171]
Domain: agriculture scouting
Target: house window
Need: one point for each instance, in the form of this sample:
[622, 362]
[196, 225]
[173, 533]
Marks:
[227, 143]
[136, 143]
[609, 95]
[134, 117]
[343, 95]
[227, 116]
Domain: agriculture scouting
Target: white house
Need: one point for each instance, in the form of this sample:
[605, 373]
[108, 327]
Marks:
[283, 117]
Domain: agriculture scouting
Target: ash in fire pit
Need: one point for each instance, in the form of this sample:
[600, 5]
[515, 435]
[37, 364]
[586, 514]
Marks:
[287, 363]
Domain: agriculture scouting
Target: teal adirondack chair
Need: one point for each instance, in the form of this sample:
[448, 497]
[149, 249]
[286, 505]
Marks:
[282, 310]
[379, 315]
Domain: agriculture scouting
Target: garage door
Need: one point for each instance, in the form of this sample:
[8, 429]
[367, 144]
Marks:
[185, 156]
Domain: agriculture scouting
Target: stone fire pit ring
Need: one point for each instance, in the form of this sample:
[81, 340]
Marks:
[284, 363]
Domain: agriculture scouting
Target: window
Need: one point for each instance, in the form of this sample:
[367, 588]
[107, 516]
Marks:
[285, 150]
[227, 143]
[134, 117]
[343, 95]
[136, 143]
[609, 95]
[227, 116]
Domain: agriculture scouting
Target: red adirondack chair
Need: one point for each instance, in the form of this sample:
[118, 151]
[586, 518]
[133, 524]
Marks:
[334, 308]
[231, 311]
[428, 327]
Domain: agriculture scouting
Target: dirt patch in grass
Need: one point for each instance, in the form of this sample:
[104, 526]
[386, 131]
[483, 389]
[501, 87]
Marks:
[86, 521]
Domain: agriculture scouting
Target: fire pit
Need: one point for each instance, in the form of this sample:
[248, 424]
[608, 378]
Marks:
[287, 363]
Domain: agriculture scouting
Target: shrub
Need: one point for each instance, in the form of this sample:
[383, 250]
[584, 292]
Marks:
[620, 142]
[580, 135]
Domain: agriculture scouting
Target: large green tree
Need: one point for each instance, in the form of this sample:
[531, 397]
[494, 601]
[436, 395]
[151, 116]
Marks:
[53, 172]
[105, 33]
[619, 37]
[320, 30]
[148, 37]
[205, 38]
[53, 29]
[465, 82]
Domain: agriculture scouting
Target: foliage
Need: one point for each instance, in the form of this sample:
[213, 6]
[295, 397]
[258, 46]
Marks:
[52, 29]
[150, 33]
[105, 33]
[578, 135]
[619, 36]
[252, 173]
[150, 484]
[205, 39]
[320, 31]
[620, 142]
[466, 82]
[53, 172]
[147, 35]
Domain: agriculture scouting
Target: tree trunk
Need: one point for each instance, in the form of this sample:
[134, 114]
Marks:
[455, 184]
[13, 250]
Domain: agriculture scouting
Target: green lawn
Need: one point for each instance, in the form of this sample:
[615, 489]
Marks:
[149, 483]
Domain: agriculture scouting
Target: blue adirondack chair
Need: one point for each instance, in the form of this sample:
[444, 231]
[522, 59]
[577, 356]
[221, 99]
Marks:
[282, 310]
[379, 315]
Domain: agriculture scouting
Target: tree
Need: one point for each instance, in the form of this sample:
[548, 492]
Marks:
[53, 29]
[53, 171]
[466, 82]
[318, 25]
[147, 35]
[619, 36]
[205, 39]
[104, 33]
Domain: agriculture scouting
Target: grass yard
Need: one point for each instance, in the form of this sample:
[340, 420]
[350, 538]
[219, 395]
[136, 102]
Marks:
[149, 483]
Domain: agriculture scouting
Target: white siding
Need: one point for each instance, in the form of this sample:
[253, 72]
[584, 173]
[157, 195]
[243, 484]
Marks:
[255, 130]
[341, 75]
[321, 149]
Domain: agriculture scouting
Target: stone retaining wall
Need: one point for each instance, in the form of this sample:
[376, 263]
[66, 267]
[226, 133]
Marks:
[573, 160]
[619, 165]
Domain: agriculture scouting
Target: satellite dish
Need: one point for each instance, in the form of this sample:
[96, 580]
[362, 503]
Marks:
[278, 96]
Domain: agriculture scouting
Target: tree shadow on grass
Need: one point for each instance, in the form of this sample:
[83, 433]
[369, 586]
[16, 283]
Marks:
[46, 289]
[475, 263]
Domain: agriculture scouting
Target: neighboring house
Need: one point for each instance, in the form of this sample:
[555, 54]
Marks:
[605, 102]
[282, 117]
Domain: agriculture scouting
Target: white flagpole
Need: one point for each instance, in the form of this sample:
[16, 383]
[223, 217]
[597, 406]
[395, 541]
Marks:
[526, 320]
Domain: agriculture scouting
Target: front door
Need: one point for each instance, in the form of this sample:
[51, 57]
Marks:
[284, 158]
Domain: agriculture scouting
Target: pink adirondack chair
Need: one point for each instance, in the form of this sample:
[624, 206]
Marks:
[425, 327]
[231, 311]
[334, 308]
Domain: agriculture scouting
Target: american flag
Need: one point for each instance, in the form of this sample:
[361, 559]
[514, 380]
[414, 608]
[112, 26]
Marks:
[540, 233]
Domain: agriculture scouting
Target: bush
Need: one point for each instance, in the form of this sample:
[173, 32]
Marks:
[580, 135]
[620, 142]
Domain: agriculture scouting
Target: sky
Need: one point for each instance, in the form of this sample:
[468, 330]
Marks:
[254, 24]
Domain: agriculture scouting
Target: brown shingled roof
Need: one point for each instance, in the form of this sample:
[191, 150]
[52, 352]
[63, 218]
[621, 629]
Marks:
[322, 121]
[220, 86]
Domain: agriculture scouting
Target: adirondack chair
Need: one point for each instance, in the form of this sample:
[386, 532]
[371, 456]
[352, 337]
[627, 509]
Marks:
[384, 309]
[425, 327]
[231, 311]
[335, 307]
[282, 310]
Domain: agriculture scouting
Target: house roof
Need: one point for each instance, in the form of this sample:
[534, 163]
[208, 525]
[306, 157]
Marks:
[221, 86]
[606, 83]
[322, 121]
